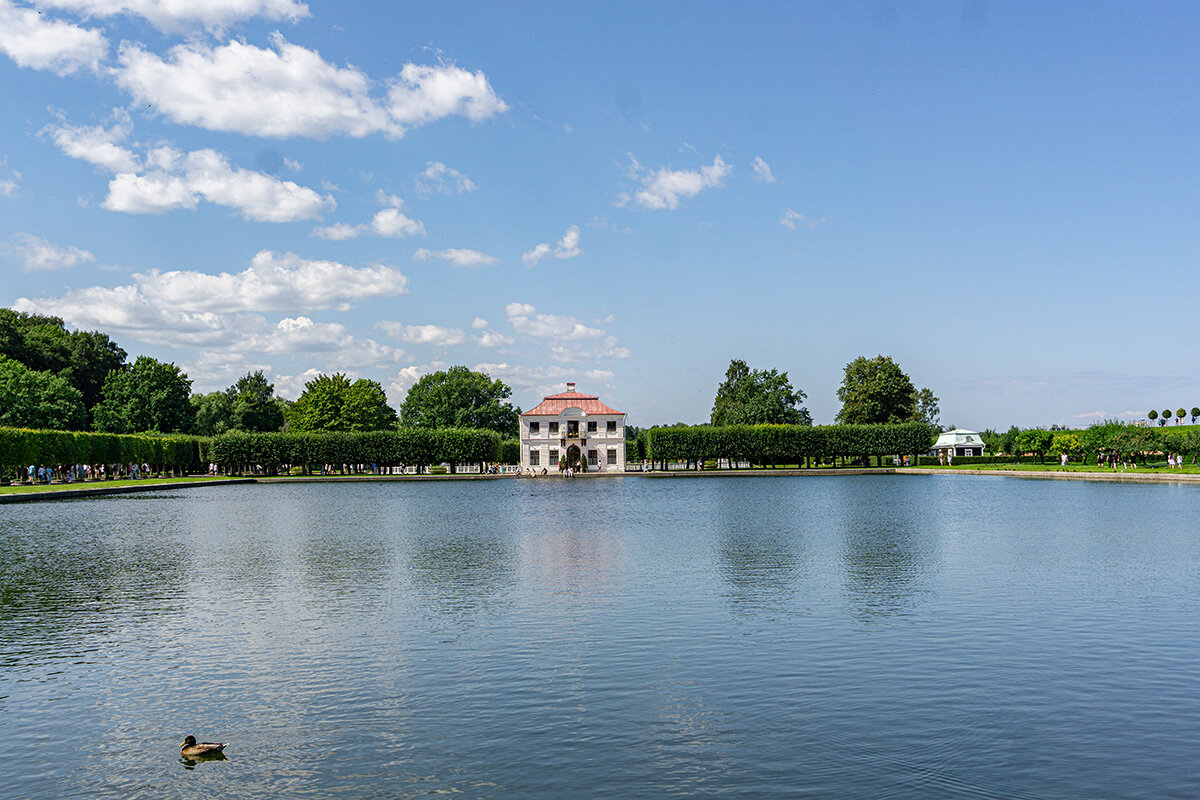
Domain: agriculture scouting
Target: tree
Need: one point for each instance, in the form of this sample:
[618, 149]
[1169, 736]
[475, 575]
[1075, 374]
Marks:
[149, 395]
[758, 397]
[44, 344]
[1153, 415]
[876, 391]
[1166, 417]
[927, 408]
[214, 413]
[333, 403]
[253, 406]
[33, 399]
[1065, 443]
[1195, 413]
[1179, 415]
[460, 398]
[1034, 440]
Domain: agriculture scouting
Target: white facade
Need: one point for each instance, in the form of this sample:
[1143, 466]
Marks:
[959, 442]
[574, 427]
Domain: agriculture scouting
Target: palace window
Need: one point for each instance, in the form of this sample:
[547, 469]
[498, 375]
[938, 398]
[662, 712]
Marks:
[553, 428]
[611, 426]
[592, 459]
[612, 457]
[553, 458]
[535, 457]
[535, 427]
[591, 426]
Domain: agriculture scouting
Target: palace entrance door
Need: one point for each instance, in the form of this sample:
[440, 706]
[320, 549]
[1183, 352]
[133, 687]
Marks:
[573, 456]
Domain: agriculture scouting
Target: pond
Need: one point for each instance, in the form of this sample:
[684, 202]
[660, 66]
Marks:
[843, 637]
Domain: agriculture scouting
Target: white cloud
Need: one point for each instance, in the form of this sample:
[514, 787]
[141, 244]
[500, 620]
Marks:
[393, 223]
[762, 171]
[288, 90]
[479, 323]
[175, 179]
[793, 220]
[424, 334]
[567, 247]
[527, 322]
[568, 338]
[437, 177]
[96, 144]
[272, 282]
[187, 307]
[339, 231]
[39, 255]
[457, 257]
[10, 187]
[490, 339]
[33, 41]
[542, 380]
[390, 222]
[177, 15]
[663, 188]
[292, 164]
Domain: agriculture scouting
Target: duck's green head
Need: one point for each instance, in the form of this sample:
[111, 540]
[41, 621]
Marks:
[188, 741]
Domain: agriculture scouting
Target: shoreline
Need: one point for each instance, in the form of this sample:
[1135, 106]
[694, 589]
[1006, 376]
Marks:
[54, 493]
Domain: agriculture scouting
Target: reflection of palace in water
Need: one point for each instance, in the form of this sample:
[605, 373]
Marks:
[574, 428]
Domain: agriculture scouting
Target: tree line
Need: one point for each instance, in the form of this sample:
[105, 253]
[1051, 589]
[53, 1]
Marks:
[1165, 415]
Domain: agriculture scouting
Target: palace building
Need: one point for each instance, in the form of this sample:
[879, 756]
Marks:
[576, 428]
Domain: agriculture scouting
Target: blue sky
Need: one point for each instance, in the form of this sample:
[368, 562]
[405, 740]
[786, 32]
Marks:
[1002, 197]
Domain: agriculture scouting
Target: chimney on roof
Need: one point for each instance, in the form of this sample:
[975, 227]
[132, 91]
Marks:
[570, 386]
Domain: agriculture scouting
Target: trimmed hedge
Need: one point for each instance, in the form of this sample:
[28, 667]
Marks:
[788, 444]
[21, 446]
[408, 446]
[932, 461]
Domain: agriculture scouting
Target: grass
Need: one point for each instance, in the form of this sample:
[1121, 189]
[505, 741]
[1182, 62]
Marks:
[60, 487]
[1188, 469]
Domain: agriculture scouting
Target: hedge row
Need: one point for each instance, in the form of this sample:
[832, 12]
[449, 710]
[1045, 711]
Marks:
[931, 461]
[410, 446]
[788, 444]
[21, 447]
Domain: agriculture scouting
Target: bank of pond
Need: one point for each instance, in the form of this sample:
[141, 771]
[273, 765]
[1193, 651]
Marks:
[700, 447]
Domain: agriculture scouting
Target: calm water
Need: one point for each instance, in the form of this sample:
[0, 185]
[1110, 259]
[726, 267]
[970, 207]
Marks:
[857, 637]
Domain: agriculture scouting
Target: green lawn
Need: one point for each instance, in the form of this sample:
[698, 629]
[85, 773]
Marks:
[59, 487]
[1188, 469]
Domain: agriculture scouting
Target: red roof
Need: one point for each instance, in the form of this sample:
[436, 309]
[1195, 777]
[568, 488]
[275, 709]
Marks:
[554, 404]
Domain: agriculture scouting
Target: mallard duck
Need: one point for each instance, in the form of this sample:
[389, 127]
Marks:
[191, 748]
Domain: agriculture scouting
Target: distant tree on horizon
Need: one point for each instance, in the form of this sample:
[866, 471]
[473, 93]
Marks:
[758, 397]
[876, 391]
[1180, 413]
[461, 398]
[1195, 414]
[37, 399]
[1166, 416]
[1153, 415]
[333, 403]
[148, 395]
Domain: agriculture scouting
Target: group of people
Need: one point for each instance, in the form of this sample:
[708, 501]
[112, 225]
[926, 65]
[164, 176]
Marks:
[72, 473]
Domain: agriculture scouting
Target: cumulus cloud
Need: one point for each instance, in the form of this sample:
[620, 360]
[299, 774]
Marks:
[168, 179]
[542, 380]
[663, 188]
[434, 335]
[199, 308]
[457, 257]
[96, 144]
[33, 41]
[390, 222]
[177, 15]
[794, 219]
[10, 187]
[490, 339]
[568, 338]
[38, 255]
[479, 323]
[437, 177]
[567, 247]
[762, 171]
[288, 90]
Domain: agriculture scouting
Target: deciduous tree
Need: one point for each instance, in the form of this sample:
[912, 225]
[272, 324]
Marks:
[876, 391]
[33, 399]
[333, 403]
[148, 395]
[758, 397]
[460, 398]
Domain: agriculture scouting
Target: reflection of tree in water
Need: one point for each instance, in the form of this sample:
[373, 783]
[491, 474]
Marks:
[760, 552]
[462, 573]
[889, 554]
[351, 565]
[63, 581]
